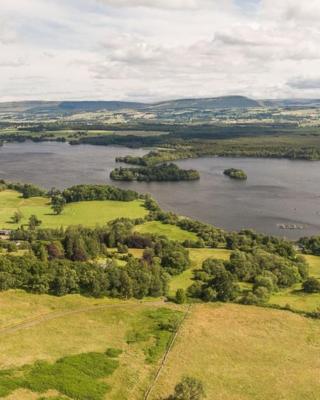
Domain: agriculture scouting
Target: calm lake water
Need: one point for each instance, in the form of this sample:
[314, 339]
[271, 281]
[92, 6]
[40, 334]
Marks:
[276, 192]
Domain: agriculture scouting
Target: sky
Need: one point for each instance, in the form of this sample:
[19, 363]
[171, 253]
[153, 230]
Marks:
[152, 50]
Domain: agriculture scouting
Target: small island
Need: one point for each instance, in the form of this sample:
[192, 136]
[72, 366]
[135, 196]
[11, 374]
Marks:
[158, 173]
[235, 173]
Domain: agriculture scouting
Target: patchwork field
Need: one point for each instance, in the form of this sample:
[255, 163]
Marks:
[89, 213]
[245, 353]
[114, 349]
[171, 231]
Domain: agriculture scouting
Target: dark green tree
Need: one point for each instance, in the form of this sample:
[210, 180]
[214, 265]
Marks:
[34, 222]
[188, 389]
[58, 203]
[181, 296]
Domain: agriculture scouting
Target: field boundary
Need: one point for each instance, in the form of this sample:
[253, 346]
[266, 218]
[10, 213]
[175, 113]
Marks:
[165, 356]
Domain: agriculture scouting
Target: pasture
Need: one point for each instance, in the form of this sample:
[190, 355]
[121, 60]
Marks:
[172, 232]
[88, 213]
[245, 353]
[67, 334]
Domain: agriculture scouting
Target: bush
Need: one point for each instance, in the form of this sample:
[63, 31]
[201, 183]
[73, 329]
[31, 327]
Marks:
[188, 389]
[181, 297]
[311, 285]
[113, 353]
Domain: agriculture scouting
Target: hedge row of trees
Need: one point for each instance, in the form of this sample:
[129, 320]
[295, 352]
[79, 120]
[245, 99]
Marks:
[98, 192]
[75, 193]
[60, 277]
[27, 190]
[310, 245]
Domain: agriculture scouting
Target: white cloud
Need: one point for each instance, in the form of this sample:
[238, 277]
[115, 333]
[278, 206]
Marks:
[157, 49]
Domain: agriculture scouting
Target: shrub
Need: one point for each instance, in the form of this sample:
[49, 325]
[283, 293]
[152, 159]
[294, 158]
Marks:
[311, 285]
[181, 297]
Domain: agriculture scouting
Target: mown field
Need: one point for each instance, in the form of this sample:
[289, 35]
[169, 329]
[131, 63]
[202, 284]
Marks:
[245, 353]
[88, 213]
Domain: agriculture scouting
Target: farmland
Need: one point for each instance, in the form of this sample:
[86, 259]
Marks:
[80, 326]
[88, 213]
[239, 352]
[246, 353]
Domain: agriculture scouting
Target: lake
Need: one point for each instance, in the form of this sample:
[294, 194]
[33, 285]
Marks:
[276, 192]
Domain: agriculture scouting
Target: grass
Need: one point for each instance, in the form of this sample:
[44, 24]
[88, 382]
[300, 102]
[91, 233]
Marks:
[245, 353]
[78, 376]
[171, 231]
[314, 265]
[89, 213]
[197, 256]
[83, 336]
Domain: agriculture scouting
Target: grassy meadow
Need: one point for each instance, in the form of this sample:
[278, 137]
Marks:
[88, 213]
[51, 342]
[102, 349]
[245, 353]
[171, 231]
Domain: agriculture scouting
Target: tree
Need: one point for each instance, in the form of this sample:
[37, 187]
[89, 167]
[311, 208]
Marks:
[34, 222]
[188, 389]
[17, 217]
[58, 203]
[311, 285]
[181, 297]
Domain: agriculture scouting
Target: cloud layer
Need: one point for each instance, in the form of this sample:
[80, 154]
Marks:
[157, 49]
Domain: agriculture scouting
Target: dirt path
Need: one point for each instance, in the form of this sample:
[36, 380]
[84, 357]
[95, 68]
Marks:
[39, 319]
[165, 356]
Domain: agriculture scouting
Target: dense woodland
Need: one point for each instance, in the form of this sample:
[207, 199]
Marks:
[160, 173]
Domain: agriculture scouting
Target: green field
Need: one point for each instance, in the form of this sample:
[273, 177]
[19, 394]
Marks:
[197, 256]
[171, 231]
[88, 213]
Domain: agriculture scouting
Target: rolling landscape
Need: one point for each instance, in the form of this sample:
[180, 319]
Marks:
[159, 200]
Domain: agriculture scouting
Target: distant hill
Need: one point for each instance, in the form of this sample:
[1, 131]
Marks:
[61, 108]
[291, 103]
[209, 103]
[99, 105]
[66, 107]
